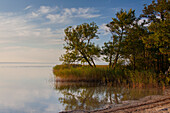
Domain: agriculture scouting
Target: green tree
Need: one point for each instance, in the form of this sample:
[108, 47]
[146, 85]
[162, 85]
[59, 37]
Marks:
[79, 46]
[108, 52]
[158, 41]
[118, 28]
[157, 11]
[133, 46]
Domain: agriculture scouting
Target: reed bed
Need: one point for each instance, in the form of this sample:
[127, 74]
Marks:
[103, 74]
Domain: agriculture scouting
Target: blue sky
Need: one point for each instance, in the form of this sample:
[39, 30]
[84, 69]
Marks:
[32, 30]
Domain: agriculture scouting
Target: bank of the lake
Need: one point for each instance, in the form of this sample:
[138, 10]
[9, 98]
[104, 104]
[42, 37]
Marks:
[148, 104]
[103, 74]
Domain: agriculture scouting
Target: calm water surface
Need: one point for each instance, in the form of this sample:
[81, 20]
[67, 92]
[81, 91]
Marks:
[31, 88]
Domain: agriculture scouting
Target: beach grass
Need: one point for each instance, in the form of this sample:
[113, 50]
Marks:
[104, 74]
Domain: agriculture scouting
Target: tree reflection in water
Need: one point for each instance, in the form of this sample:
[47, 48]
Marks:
[88, 96]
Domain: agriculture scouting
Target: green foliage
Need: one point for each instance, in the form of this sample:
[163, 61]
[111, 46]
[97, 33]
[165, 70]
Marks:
[79, 73]
[79, 46]
[157, 10]
[118, 28]
[135, 48]
[160, 37]
[121, 76]
[108, 52]
[158, 15]
[157, 42]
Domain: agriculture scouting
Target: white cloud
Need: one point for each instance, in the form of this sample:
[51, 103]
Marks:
[46, 9]
[87, 16]
[142, 21]
[66, 15]
[34, 15]
[43, 10]
[63, 15]
[57, 18]
[26, 36]
[28, 7]
[103, 29]
[17, 30]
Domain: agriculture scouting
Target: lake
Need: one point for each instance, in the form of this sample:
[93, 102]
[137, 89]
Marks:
[31, 88]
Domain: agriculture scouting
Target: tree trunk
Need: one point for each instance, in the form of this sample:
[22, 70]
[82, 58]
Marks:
[116, 99]
[162, 16]
[115, 61]
[111, 53]
[162, 63]
[110, 63]
[144, 55]
[134, 67]
[88, 61]
[94, 65]
[117, 54]
[158, 63]
[84, 56]
[111, 96]
[110, 60]
[166, 62]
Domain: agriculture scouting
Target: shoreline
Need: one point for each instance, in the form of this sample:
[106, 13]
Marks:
[148, 104]
[103, 74]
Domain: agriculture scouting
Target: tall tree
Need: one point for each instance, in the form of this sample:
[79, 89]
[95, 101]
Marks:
[133, 46]
[78, 44]
[108, 52]
[118, 28]
[157, 11]
[158, 41]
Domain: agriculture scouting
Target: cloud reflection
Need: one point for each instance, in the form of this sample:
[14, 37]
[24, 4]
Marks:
[26, 90]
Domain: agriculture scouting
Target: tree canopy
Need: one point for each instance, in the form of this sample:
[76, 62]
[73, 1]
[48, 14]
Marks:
[157, 42]
[79, 45]
[118, 28]
[145, 44]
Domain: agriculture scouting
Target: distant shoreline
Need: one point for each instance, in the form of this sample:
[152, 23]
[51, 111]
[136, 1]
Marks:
[26, 63]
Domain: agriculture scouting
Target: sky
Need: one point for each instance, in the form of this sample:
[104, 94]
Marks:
[33, 30]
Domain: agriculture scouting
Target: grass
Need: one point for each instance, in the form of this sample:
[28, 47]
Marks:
[103, 74]
[78, 73]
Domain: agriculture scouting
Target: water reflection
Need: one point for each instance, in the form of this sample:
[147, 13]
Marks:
[28, 90]
[31, 88]
[87, 96]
